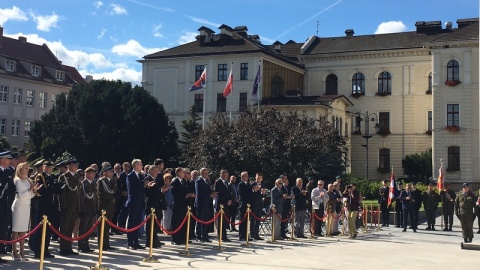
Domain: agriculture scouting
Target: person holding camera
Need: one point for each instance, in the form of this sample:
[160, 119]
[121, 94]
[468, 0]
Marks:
[353, 200]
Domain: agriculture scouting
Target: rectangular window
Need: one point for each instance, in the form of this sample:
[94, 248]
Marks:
[429, 121]
[453, 158]
[35, 71]
[242, 102]
[222, 72]
[10, 65]
[17, 96]
[15, 127]
[244, 71]
[30, 97]
[453, 115]
[54, 98]
[28, 126]
[384, 122]
[221, 103]
[198, 71]
[3, 126]
[60, 75]
[3, 93]
[384, 158]
[42, 100]
[198, 102]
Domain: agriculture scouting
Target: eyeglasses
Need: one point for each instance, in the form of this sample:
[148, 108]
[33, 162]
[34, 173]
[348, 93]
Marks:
[320, 184]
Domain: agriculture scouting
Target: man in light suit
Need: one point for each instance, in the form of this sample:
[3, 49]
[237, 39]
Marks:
[135, 202]
[202, 200]
[225, 199]
[277, 201]
[319, 198]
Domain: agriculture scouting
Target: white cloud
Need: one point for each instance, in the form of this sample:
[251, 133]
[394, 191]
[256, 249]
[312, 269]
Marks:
[98, 4]
[203, 21]
[156, 30]
[187, 37]
[12, 14]
[117, 10]
[133, 48]
[391, 27]
[123, 73]
[151, 6]
[102, 33]
[45, 22]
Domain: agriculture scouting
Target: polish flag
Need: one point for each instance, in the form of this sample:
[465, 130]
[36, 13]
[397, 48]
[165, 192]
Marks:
[229, 87]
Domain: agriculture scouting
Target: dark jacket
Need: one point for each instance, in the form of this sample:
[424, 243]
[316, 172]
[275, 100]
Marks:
[300, 199]
[277, 199]
[245, 191]
[203, 191]
[223, 194]
[353, 200]
[135, 190]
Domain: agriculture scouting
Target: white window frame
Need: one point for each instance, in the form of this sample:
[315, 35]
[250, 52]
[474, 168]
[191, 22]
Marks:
[3, 93]
[30, 100]
[28, 127]
[17, 96]
[42, 100]
[36, 70]
[10, 65]
[15, 127]
[60, 75]
[459, 113]
[54, 99]
[3, 126]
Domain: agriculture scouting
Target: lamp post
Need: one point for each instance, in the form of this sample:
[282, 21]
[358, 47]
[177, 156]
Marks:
[366, 117]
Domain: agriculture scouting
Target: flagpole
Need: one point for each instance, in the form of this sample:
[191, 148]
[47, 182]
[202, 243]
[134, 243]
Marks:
[259, 88]
[231, 71]
[204, 98]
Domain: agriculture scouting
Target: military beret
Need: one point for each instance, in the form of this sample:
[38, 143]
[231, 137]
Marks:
[48, 163]
[338, 177]
[465, 185]
[311, 178]
[90, 170]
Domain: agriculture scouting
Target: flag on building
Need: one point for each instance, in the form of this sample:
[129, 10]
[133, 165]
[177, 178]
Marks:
[392, 189]
[200, 83]
[256, 82]
[440, 178]
[229, 87]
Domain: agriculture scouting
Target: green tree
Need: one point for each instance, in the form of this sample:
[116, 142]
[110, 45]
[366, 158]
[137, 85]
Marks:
[418, 166]
[272, 143]
[191, 129]
[4, 144]
[105, 121]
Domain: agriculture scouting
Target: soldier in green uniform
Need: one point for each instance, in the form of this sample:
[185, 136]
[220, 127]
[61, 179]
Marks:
[464, 207]
[430, 203]
[107, 195]
[447, 196]
[88, 209]
[69, 205]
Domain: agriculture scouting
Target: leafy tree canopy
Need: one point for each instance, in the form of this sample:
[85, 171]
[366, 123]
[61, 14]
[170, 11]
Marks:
[418, 166]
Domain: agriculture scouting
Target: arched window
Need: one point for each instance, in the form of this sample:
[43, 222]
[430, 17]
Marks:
[453, 158]
[385, 83]
[453, 71]
[331, 85]
[277, 86]
[358, 83]
[384, 158]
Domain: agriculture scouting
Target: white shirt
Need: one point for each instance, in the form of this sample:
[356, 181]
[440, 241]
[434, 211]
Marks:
[317, 199]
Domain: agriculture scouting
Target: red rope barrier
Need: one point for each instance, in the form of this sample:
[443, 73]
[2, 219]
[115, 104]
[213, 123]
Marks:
[23, 237]
[261, 219]
[127, 230]
[283, 220]
[170, 232]
[66, 238]
[319, 218]
[206, 222]
[233, 223]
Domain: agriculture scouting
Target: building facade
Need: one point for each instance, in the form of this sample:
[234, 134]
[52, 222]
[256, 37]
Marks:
[391, 87]
[30, 79]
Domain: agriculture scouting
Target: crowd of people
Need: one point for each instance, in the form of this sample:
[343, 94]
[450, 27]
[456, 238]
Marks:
[73, 200]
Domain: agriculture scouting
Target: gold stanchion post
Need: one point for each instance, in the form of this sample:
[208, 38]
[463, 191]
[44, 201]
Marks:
[377, 225]
[329, 221]
[187, 253]
[273, 226]
[150, 257]
[395, 214]
[42, 248]
[312, 224]
[220, 232]
[248, 228]
[365, 218]
[292, 235]
[99, 265]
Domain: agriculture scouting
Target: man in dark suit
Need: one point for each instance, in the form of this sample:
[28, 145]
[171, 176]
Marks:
[408, 204]
[202, 200]
[135, 202]
[180, 194]
[287, 207]
[224, 198]
[153, 192]
[418, 197]
[123, 195]
[245, 191]
[232, 212]
[257, 203]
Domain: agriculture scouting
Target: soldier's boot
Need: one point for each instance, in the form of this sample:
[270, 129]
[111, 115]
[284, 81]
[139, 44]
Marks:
[465, 239]
[433, 227]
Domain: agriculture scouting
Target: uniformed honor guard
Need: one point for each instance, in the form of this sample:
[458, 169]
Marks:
[107, 196]
[7, 190]
[44, 206]
[383, 202]
[69, 205]
[55, 219]
[430, 203]
[38, 166]
[447, 196]
[88, 208]
[464, 210]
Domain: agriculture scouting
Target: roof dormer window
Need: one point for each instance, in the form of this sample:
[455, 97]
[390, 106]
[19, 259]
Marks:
[35, 71]
[10, 65]
[60, 75]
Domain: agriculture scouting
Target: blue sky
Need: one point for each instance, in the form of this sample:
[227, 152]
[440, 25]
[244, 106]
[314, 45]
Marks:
[105, 38]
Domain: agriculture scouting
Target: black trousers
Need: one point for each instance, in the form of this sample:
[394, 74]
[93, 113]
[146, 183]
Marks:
[319, 223]
[36, 239]
[385, 213]
[255, 224]
[5, 222]
[448, 215]
[284, 225]
[232, 214]
[179, 214]
[243, 226]
[409, 212]
[399, 215]
[86, 223]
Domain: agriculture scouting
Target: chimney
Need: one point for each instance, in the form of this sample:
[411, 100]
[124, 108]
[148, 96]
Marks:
[448, 25]
[206, 34]
[278, 46]
[428, 27]
[241, 30]
[349, 32]
[22, 39]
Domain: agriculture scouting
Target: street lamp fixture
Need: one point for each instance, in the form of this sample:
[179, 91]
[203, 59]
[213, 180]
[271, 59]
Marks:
[367, 117]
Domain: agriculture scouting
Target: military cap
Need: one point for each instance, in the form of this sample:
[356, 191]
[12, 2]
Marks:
[465, 185]
[38, 163]
[338, 177]
[71, 162]
[79, 171]
[15, 155]
[400, 183]
[6, 154]
[385, 181]
[48, 162]
[61, 163]
[106, 168]
[90, 170]
[311, 178]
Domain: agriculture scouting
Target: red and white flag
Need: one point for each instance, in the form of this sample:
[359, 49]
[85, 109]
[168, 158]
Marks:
[229, 87]
[393, 188]
[440, 178]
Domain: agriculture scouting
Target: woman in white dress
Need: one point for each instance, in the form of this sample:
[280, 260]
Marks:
[21, 208]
